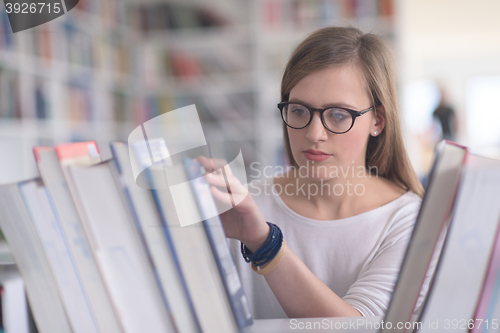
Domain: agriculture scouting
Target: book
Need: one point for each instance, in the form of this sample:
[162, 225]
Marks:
[15, 314]
[218, 241]
[54, 244]
[464, 260]
[488, 308]
[426, 240]
[191, 243]
[118, 249]
[53, 177]
[156, 239]
[33, 265]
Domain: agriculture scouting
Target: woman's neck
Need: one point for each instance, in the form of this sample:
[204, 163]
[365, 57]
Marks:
[336, 198]
[328, 198]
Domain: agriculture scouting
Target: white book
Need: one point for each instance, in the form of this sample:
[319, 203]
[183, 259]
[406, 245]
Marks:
[27, 249]
[426, 240]
[464, 261]
[70, 289]
[218, 240]
[155, 238]
[15, 309]
[487, 314]
[78, 244]
[119, 251]
[192, 246]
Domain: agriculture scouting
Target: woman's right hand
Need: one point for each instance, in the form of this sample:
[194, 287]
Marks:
[244, 221]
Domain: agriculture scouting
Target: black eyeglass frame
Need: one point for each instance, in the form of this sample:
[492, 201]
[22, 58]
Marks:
[354, 115]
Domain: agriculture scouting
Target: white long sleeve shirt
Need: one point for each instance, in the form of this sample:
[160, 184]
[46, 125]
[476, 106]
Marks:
[358, 257]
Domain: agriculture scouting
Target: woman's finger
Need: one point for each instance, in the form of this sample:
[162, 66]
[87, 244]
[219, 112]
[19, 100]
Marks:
[225, 182]
[216, 180]
[235, 184]
[222, 197]
[238, 191]
[214, 164]
[205, 162]
[219, 163]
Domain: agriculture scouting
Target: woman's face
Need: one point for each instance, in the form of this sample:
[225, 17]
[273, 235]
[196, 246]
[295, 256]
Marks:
[325, 154]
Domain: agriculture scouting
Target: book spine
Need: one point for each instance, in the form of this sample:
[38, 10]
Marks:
[229, 274]
[176, 260]
[490, 291]
[218, 242]
[171, 247]
[140, 231]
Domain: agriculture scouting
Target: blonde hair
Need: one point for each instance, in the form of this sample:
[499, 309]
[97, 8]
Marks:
[336, 46]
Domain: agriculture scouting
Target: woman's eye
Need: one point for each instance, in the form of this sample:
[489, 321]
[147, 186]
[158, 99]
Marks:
[298, 111]
[338, 116]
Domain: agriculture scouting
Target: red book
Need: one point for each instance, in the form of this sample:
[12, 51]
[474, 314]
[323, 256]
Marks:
[86, 151]
[386, 8]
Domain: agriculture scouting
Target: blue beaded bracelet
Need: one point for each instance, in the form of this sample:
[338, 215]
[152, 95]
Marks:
[267, 251]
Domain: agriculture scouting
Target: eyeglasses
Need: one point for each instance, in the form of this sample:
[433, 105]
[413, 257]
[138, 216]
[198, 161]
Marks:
[336, 120]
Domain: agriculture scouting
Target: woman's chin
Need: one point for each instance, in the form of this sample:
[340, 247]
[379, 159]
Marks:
[317, 174]
[322, 178]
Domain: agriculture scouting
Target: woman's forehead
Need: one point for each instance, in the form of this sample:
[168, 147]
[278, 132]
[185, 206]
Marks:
[333, 85]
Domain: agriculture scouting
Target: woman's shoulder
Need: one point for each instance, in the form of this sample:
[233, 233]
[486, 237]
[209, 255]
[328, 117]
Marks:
[402, 217]
[384, 199]
[409, 203]
[385, 191]
[405, 203]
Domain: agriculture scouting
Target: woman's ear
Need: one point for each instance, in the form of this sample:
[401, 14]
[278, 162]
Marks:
[379, 121]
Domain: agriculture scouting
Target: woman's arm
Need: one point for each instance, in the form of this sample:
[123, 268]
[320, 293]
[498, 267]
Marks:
[299, 292]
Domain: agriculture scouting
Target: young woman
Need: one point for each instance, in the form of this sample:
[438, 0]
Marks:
[342, 216]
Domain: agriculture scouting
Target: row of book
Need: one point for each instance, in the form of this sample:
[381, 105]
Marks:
[297, 14]
[86, 104]
[9, 94]
[38, 102]
[450, 276]
[72, 41]
[174, 16]
[69, 43]
[6, 36]
[78, 47]
[109, 10]
[165, 74]
[114, 245]
[10, 104]
[99, 253]
[81, 101]
[80, 69]
[191, 67]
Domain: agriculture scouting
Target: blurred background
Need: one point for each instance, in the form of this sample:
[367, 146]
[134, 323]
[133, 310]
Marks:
[107, 66]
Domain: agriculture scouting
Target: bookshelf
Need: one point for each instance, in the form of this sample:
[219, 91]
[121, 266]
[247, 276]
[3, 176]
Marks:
[69, 79]
[205, 59]
[107, 66]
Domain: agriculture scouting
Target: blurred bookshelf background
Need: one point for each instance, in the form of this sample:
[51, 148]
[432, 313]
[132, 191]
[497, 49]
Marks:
[109, 65]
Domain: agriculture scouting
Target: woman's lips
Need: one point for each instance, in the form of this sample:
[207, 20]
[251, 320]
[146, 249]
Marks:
[316, 155]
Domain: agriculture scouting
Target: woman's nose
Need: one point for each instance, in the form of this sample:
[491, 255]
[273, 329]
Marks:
[316, 132]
